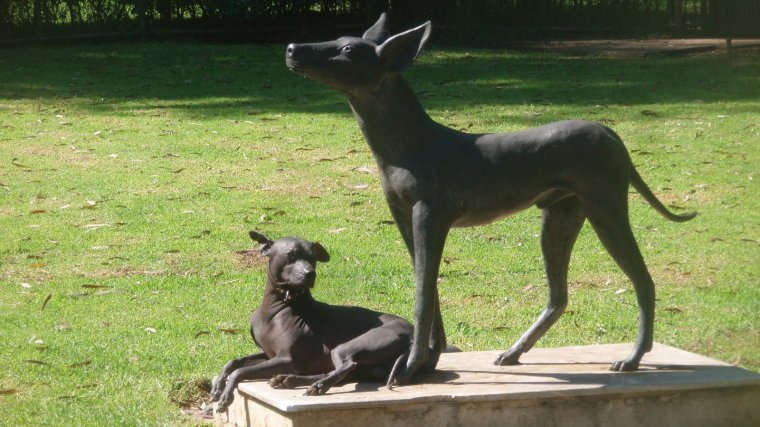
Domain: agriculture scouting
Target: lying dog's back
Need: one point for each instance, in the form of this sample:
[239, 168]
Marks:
[306, 326]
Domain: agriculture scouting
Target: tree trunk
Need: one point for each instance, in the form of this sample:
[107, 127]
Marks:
[37, 17]
[678, 16]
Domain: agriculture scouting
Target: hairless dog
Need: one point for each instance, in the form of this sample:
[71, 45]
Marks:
[435, 178]
[305, 342]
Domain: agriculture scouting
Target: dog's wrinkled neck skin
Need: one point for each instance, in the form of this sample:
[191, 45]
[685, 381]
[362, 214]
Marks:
[289, 296]
[288, 290]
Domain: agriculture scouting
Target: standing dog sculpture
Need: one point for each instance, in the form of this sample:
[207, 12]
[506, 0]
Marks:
[435, 178]
[306, 342]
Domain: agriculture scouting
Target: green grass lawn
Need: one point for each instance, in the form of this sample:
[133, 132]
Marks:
[130, 174]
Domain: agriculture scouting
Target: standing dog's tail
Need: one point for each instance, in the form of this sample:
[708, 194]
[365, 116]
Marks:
[643, 189]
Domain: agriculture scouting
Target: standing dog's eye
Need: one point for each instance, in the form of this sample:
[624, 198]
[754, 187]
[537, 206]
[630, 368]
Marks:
[347, 49]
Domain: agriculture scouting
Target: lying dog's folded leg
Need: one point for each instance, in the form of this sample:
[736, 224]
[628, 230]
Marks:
[400, 361]
[293, 381]
[339, 374]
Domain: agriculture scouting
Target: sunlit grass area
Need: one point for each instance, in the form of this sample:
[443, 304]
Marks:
[130, 174]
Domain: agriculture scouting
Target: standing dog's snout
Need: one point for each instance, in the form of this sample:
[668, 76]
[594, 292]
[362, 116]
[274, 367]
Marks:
[298, 54]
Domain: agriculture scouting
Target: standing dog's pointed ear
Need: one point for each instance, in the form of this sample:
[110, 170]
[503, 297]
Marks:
[320, 253]
[399, 52]
[379, 32]
[265, 241]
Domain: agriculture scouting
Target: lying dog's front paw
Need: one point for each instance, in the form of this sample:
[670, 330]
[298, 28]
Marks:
[225, 400]
[216, 390]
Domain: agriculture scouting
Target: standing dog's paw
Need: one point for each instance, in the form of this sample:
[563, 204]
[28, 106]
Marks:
[626, 365]
[509, 357]
[406, 374]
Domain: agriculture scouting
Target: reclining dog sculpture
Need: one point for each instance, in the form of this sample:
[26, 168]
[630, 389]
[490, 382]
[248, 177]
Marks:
[305, 342]
[435, 178]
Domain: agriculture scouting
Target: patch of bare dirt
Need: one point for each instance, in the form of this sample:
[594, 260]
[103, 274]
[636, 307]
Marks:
[250, 258]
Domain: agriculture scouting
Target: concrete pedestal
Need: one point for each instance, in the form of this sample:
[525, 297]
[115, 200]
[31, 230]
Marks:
[569, 386]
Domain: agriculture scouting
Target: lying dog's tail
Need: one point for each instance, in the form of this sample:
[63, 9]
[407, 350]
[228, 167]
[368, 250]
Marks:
[400, 361]
[643, 189]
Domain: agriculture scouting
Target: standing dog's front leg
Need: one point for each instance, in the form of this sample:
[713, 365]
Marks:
[230, 367]
[429, 236]
[437, 335]
[403, 219]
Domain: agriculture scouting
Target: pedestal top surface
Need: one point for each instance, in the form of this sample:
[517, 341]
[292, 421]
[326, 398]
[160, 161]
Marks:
[544, 372]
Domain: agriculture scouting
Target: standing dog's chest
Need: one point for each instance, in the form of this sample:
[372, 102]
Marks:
[400, 185]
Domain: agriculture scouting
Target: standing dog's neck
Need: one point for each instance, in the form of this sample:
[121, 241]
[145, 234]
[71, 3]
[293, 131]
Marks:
[392, 119]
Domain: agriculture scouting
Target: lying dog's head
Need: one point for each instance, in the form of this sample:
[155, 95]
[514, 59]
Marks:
[292, 263]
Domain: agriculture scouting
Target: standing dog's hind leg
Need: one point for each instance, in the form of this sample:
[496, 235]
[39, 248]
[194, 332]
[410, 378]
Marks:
[614, 230]
[562, 221]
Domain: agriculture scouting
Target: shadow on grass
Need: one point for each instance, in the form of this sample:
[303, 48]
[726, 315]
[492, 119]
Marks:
[210, 80]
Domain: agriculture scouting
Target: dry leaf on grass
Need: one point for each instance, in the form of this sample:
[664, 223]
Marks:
[95, 286]
[80, 364]
[45, 303]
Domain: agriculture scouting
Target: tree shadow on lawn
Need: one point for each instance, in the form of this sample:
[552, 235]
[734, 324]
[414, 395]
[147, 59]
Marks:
[208, 80]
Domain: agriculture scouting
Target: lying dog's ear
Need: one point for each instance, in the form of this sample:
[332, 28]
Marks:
[265, 241]
[320, 252]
